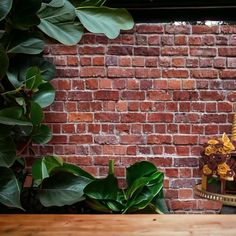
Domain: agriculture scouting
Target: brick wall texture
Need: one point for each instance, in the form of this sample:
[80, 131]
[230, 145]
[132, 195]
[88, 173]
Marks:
[155, 93]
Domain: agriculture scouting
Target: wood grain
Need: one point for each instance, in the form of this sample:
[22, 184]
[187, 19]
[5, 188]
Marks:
[103, 225]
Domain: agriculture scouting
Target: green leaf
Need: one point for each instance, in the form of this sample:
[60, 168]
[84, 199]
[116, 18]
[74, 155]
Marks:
[97, 206]
[12, 112]
[42, 168]
[7, 152]
[52, 162]
[36, 113]
[5, 8]
[9, 121]
[73, 169]
[39, 170]
[60, 24]
[139, 169]
[9, 188]
[103, 189]
[33, 78]
[97, 3]
[56, 3]
[108, 21]
[62, 189]
[159, 203]
[18, 70]
[45, 95]
[4, 62]
[26, 14]
[42, 135]
[27, 46]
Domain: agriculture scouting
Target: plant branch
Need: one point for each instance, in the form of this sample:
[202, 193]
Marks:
[24, 147]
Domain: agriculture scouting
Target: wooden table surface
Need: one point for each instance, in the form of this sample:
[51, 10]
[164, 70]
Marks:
[116, 225]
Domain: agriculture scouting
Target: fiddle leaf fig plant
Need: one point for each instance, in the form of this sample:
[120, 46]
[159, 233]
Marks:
[25, 75]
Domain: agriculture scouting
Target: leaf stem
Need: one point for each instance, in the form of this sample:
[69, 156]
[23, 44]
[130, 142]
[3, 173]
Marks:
[111, 167]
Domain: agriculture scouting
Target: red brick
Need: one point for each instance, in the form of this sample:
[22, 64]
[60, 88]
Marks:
[92, 84]
[63, 50]
[174, 84]
[81, 96]
[106, 117]
[98, 61]
[178, 62]
[55, 117]
[133, 95]
[154, 40]
[172, 173]
[204, 73]
[228, 74]
[174, 51]
[81, 139]
[185, 194]
[131, 139]
[106, 95]
[177, 29]
[204, 29]
[120, 50]
[175, 73]
[120, 72]
[207, 204]
[159, 95]
[159, 139]
[180, 40]
[91, 50]
[80, 117]
[195, 40]
[160, 117]
[92, 72]
[133, 117]
[183, 139]
[108, 139]
[227, 52]
[146, 28]
[72, 61]
[203, 52]
[146, 51]
[211, 96]
[167, 40]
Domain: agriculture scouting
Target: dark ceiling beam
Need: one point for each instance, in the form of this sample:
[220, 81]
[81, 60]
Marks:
[169, 10]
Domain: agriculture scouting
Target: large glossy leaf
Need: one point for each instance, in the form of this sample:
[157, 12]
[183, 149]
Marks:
[26, 14]
[9, 121]
[9, 188]
[4, 62]
[159, 203]
[56, 3]
[36, 113]
[139, 169]
[90, 3]
[108, 21]
[27, 46]
[5, 7]
[45, 95]
[12, 112]
[42, 135]
[7, 152]
[62, 189]
[103, 189]
[42, 168]
[33, 78]
[73, 169]
[60, 24]
[39, 170]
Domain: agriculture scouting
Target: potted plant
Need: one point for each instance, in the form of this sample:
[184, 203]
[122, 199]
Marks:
[25, 75]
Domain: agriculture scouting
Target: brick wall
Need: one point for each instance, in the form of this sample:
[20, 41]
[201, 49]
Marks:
[155, 93]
